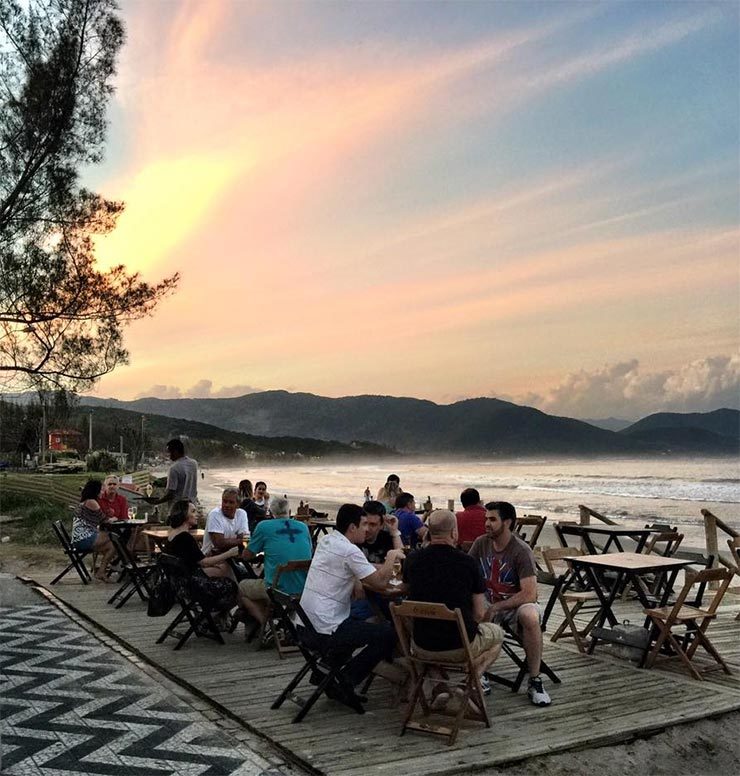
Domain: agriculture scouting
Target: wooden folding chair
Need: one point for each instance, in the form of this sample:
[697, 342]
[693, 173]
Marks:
[467, 670]
[695, 621]
[134, 576]
[536, 522]
[571, 601]
[665, 543]
[199, 617]
[76, 557]
[734, 545]
[323, 665]
[284, 641]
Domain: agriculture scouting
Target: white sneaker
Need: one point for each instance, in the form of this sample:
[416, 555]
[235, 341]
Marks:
[537, 693]
[485, 684]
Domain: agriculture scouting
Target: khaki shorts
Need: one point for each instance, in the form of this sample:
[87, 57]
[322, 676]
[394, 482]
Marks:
[489, 635]
[510, 617]
[254, 589]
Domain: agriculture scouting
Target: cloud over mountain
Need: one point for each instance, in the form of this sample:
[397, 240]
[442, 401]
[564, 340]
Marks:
[627, 390]
[203, 389]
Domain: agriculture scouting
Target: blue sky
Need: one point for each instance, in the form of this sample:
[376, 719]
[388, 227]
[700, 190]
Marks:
[530, 200]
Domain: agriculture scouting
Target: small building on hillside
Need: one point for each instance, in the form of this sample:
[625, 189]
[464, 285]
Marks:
[65, 440]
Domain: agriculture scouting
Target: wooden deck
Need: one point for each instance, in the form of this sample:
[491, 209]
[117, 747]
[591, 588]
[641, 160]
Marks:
[601, 700]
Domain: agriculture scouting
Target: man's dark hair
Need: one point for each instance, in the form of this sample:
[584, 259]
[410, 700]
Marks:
[176, 446]
[374, 508]
[348, 514]
[404, 500]
[505, 511]
[91, 490]
[469, 497]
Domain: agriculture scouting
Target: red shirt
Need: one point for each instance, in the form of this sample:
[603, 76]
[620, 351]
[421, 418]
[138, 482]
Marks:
[115, 507]
[471, 523]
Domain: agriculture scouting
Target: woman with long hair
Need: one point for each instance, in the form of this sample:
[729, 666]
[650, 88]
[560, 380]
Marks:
[215, 591]
[388, 494]
[87, 535]
[254, 503]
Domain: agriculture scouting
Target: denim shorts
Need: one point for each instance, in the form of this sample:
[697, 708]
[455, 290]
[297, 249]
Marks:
[86, 544]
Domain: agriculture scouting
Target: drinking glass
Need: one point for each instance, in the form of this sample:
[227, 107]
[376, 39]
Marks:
[396, 578]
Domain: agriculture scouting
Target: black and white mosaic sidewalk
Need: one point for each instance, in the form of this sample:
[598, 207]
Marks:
[71, 705]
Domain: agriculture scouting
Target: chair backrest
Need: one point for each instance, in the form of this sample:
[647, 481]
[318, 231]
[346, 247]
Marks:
[670, 541]
[703, 578]
[553, 557]
[661, 527]
[537, 523]
[62, 535]
[465, 546]
[734, 545]
[291, 567]
[405, 613]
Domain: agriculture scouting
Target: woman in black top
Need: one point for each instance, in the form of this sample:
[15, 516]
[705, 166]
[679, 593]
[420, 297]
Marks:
[218, 593]
[256, 512]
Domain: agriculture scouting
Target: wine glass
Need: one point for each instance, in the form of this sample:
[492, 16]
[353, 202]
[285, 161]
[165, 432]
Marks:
[396, 580]
[132, 513]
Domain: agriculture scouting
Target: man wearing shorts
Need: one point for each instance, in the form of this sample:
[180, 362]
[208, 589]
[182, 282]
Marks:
[510, 572]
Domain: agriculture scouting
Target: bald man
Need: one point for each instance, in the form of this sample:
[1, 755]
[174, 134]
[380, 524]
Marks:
[440, 573]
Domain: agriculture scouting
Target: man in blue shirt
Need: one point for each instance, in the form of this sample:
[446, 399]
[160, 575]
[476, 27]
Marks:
[409, 524]
[282, 540]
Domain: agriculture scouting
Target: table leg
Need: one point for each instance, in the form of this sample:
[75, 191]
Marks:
[606, 602]
[641, 541]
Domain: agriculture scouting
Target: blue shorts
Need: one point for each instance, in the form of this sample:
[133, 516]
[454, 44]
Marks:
[86, 544]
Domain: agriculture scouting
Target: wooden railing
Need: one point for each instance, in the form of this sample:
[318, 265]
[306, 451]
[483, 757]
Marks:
[587, 513]
[711, 524]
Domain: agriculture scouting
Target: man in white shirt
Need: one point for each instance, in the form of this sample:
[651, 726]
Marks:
[226, 526]
[337, 566]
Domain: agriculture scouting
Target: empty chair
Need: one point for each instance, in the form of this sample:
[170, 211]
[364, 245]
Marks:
[461, 675]
[694, 620]
[734, 545]
[536, 523]
[571, 601]
[135, 576]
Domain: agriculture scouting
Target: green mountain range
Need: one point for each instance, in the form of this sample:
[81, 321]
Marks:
[481, 426]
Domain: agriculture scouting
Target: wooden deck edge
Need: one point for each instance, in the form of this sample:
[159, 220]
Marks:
[60, 603]
[642, 731]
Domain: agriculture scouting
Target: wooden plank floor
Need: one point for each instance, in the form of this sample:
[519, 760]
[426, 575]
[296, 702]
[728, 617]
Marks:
[601, 699]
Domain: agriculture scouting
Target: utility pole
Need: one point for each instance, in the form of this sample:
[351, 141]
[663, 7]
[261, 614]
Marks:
[89, 432]
[142, 441]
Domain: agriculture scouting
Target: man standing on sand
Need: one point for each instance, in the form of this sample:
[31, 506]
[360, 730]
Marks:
[510, 572]
[182, 478]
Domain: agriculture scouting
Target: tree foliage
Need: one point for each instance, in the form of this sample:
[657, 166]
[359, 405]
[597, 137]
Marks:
[61, 318]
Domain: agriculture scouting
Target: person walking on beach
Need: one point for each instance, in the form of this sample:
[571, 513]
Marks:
[510, 572]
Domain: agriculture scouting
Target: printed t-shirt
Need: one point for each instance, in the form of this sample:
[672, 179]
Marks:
[442, 574]
[327, 594]
[377, 551]
[503, 571]
[182, 478]
[218, 523]
[471, 523]
[282, 540]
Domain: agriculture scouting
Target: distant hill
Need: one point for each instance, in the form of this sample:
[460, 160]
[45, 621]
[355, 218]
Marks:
[475, 426]
[207, 442]
[610, 424]
[693, 432]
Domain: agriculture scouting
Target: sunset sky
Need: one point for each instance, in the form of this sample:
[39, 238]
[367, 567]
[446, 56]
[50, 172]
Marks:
[533, 201]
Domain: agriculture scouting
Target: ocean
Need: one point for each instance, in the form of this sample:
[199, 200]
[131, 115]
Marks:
[635, 490]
